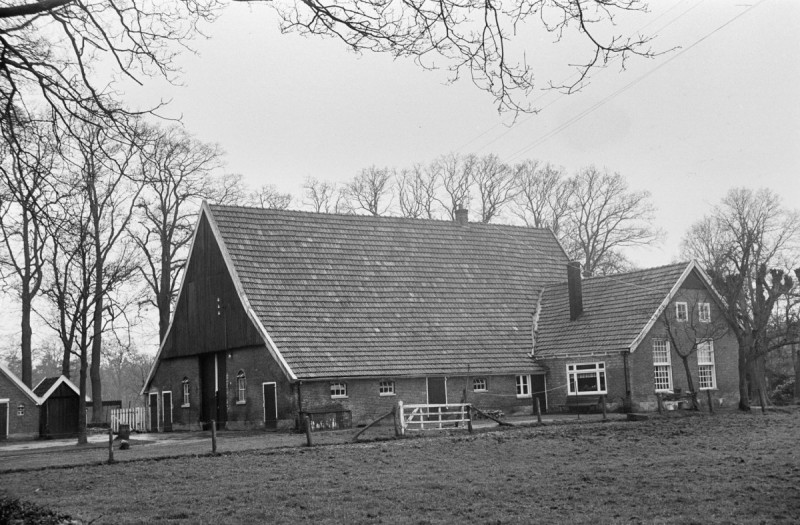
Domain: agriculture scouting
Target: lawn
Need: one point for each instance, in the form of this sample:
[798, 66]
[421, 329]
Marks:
[722, 468]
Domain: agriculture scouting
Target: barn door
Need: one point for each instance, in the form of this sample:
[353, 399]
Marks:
[437, 395]
[270, 407]
[3, 419]
[153, 412]
[167, 410]
[539, 390]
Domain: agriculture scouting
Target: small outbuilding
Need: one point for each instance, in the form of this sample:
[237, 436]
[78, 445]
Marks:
[19, 407]
[58, 408]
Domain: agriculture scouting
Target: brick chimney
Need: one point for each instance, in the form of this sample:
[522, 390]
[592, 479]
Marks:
[462, 216]
[575, 289]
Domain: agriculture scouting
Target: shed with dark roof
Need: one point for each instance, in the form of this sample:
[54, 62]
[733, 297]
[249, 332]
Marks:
[58, 407]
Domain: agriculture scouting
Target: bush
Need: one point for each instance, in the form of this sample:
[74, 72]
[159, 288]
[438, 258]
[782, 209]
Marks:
[783, 393]
[22, 512]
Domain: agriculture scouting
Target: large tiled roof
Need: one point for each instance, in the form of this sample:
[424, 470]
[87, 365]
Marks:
[346, 295]
[615, 310]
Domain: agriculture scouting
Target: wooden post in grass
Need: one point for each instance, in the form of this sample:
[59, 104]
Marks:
[307, 421]
[538, 411]
[469, 418]
[710, 402]
[660, 405]
[213, 436]
[110, 446]
[605, 412]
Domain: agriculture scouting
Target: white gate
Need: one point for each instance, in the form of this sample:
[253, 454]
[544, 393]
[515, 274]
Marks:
[437, 416]
[135, 417]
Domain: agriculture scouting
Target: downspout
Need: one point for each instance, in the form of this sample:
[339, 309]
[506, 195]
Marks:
[299, 420]
[628, 403]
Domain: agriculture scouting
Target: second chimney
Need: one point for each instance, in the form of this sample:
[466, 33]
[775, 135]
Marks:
[462, 216]
[575, 289]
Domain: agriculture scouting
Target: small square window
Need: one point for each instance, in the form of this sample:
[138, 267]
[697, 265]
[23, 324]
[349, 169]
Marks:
[479, 384]
[704, 312]
[681, 312]
[21, 410]
[338, 390]
[386, 388]
[523, 386]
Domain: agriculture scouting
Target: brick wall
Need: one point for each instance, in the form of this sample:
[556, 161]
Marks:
[259, 367]
[557, 379]
[19, 427]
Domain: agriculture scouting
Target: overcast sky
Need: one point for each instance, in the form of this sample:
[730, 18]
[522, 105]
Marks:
[719, 112]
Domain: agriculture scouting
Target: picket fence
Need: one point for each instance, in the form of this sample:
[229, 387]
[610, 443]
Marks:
[135, 417]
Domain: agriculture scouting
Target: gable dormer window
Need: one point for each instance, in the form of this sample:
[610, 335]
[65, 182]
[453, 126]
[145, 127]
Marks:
[681, 312]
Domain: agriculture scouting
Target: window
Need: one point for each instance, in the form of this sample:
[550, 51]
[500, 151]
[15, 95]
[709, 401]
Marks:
[385, 388]
[705, 363]
[704, 312]
[586, 378]
[338, 390]
[681, 312]
[185, 384]
[21, 410]
[479, 385]
[241, 387]
[662, 365]
[523, 386]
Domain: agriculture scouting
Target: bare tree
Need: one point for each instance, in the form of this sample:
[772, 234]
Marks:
[494, 183]
[29, 161]
[744, 236]
[176, 173]
[269, 197]
[605, 216]
[456, 175]
[473, 39]
[50, 48]
[542, 198]
[371, 190]
[696, 329]
[416, 192]
[323, 196]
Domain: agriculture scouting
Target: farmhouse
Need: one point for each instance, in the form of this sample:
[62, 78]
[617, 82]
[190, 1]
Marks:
[284, 313]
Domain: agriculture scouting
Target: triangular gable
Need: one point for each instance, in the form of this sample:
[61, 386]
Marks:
[19, 384]
[57, 383]
[693, 266]
[205, 211]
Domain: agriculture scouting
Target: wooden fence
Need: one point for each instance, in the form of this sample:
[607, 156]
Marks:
[135, 417]
[430, 417]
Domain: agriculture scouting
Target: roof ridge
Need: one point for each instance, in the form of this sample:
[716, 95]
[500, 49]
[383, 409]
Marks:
[638, 270]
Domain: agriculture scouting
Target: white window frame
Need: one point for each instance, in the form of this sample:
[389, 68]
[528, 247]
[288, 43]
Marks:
[241, 387]
[705, 362]
[21, 409]
[662, 365]
[339, 390]
[479, 384]
[704, 312]
[681, 312]
[599, 369]
[185, 391]
[386, 388]
[523, 386]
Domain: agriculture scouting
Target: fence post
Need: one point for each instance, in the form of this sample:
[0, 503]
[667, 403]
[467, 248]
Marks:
[213, 436]
[469, 417]
[538, 411]
[307, 421]
[402, 418]
[110, 446]
[603, 401]
[660, 406]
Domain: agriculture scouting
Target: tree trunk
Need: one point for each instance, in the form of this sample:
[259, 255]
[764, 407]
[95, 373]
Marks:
[97, 343]
[796, 361]
[82, 401]
[27, 335]
[758, 380]
[690, 381]
[744, 394]
[163, 297]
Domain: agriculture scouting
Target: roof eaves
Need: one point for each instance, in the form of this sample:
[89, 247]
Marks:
[18, 382]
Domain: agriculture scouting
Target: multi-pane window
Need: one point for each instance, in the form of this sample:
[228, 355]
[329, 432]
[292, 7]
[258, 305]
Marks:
[705, 363]
[338, 390]
[704, 312]
[185, 385]
[386, 388]
[523, 386]
[586, 378]
[662, 365]
[681, 312]
[241, 387]
[479, 384]
[21, 410]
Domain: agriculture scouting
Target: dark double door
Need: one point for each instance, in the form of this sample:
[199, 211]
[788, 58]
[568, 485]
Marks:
[213, 391]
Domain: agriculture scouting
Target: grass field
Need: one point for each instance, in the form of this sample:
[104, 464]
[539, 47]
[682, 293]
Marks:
[723, 468]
